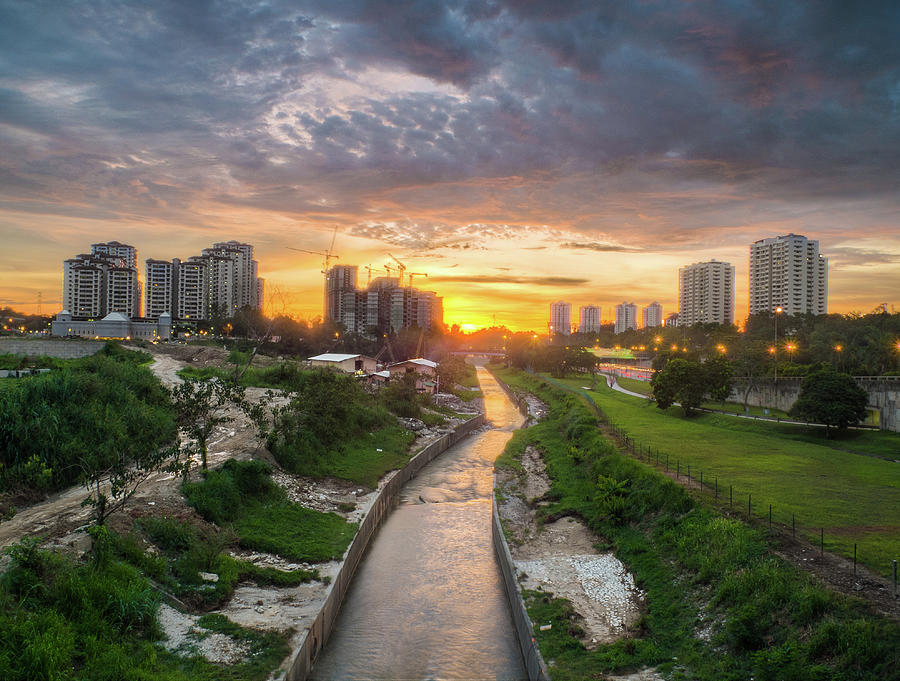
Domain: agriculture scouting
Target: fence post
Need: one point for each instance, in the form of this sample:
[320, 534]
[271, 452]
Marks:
[749, 497]
[770, 516]
[717, 487]
[730, 495]
[689, 475]
[677, 469]
[822, 542]
[894, 565]
[793, 525]
[701, 481]
[667, 463]
[854, 559]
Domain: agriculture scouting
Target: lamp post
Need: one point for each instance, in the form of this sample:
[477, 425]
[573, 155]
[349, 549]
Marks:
[778, 311]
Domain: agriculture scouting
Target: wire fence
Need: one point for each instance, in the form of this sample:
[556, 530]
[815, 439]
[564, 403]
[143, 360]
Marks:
[737, 500]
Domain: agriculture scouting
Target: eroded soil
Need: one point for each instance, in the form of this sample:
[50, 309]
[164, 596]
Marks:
[561, 558]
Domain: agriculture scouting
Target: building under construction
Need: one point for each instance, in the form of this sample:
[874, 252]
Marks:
[384, 305]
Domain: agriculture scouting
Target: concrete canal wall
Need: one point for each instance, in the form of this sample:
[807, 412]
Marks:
[321, 628]
[534, 662]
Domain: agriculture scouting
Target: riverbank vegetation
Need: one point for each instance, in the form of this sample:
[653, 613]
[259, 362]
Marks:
[849, 486]
[63, 619]
[720, 606]
[83, 416]
[332, 426]
[242, 498]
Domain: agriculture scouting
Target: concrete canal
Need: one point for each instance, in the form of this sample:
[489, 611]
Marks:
[428, 601]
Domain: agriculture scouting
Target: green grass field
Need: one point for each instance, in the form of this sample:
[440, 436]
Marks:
[840, 485]
[763, 618]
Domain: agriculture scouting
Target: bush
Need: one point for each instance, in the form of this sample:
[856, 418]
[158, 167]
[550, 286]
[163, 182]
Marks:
[59, 427]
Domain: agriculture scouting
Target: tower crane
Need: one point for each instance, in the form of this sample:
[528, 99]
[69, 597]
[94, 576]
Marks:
[368, 268]
[415, 274]
[400, 267]
[328, 255]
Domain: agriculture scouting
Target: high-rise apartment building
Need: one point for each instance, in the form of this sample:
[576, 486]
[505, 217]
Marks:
[706, 293]
[340, 280]
[589, 319]
[217, 283]
[114, 249]
[84, 286]
[192, 298]
[160, 288]
[626, 317]
[788, 272]
[561, 318]
[652, 315]
[101, 282]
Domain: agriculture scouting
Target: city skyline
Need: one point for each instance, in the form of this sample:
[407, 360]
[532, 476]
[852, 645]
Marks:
[517, 153]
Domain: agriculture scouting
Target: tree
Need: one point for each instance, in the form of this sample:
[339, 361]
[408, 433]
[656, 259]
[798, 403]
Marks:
[832, 398]
[201, 405]
[718, 376]
[680, 381]
[110, 488]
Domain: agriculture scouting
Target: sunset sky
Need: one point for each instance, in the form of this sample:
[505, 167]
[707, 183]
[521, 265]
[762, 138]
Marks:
[517, 151]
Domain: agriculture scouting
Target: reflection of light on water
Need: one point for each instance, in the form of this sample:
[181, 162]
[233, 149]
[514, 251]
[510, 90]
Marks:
[428, 600]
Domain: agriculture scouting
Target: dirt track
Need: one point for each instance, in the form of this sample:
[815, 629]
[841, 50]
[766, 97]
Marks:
[62, 513]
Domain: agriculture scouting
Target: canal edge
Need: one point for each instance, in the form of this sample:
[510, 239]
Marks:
[320, 630]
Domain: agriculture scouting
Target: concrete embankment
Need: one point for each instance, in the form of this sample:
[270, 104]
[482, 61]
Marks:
[534, 662]
[317, 634]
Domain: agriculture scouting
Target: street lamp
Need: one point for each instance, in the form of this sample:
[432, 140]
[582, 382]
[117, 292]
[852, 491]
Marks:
[837, 355]
[791, 347]
[778, 311]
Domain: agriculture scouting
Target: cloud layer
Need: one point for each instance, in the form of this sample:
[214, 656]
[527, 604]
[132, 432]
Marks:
[629, 128]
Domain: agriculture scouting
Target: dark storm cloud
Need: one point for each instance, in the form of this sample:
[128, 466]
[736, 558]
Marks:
[497, 279]
[596, 246]
[796, 101]
[848, 256]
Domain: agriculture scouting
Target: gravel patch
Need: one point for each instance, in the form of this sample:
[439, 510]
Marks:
[185, 637]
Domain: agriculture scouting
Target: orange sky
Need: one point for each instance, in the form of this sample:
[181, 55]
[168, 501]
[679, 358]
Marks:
[519, 153]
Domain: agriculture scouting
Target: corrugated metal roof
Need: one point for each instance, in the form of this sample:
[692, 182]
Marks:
[333, 357]
[424, 362]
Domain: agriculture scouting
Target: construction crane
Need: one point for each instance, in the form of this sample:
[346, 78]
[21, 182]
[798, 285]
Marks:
[400, 267]
[368, 268]
[415, 274]
[328, 255]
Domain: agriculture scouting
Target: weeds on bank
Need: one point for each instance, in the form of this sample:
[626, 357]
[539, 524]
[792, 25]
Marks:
[65, 619]
[187, 551]
[767, 620]
[241, 496]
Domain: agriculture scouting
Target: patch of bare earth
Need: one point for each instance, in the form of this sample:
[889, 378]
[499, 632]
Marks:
[184, 636]
[561, 558]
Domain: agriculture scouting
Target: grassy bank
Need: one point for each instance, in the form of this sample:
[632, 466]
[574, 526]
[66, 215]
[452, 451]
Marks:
[63, 619]
[840, 485]
[700, 571]
[242, 497]
[81, 417]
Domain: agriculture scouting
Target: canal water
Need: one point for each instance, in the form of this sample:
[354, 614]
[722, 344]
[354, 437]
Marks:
[428, 600]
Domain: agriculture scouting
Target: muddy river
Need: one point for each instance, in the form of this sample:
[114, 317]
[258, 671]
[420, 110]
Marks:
[428, 600]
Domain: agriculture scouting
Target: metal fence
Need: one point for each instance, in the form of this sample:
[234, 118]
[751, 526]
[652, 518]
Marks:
[320, 630]
[728, 496]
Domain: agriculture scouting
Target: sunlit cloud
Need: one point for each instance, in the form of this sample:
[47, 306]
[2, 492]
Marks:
[584, 150]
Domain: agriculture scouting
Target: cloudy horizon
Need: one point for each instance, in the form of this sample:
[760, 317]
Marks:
[517, 151]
